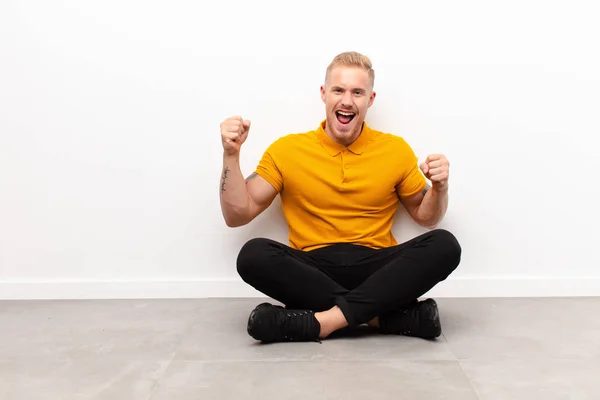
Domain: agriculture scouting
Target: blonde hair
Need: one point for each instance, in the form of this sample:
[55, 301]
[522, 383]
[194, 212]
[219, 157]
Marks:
[352, 59]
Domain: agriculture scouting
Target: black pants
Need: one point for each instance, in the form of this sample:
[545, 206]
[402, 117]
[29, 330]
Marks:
[363, 282]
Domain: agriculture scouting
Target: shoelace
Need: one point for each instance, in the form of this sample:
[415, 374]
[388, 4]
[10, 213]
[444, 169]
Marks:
[297, 325]
[405, 322]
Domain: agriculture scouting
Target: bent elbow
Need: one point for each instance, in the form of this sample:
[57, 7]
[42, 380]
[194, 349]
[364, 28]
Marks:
[234, 222]
[431, 225]
[239, 216]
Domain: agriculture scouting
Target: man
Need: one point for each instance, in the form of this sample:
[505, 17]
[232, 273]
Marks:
[340, 186]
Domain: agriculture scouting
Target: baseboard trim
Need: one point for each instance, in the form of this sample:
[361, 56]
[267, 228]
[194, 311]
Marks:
[229, 287]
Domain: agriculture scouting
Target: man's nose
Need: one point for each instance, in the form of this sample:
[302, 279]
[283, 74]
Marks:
[347, 99]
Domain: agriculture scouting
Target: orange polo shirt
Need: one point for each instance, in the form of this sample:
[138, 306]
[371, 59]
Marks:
[331, 193]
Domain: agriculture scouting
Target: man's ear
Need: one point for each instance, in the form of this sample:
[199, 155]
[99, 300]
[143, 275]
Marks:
[323, 93]
[372, 98]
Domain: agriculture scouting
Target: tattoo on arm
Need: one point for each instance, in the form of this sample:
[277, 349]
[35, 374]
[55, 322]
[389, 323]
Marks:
[224, 178]
[426, 189]
[252, 176]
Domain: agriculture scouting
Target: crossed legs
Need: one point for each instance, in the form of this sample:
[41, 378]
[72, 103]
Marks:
[348, 285]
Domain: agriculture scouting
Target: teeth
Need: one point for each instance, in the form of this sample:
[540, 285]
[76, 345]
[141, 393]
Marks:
[346, 114]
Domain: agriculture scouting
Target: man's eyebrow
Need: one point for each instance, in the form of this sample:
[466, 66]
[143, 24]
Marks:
[353, 89]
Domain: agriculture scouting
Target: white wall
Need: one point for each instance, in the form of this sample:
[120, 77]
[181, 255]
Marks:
[110, 153]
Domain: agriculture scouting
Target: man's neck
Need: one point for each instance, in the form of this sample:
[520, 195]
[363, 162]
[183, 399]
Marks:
[352, 140]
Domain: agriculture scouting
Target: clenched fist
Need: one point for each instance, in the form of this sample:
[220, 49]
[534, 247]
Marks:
[234, 131]
[436, 169]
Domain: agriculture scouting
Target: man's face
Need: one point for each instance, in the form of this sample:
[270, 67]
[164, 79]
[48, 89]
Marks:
[347, 95]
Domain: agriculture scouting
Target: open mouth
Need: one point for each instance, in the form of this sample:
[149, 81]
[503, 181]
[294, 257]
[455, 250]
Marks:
[344, 117]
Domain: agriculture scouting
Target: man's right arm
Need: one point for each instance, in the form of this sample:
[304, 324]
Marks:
[242, 200]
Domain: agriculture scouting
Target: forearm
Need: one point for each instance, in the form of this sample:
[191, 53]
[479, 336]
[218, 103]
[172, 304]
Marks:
[433, 207]
[232, 191]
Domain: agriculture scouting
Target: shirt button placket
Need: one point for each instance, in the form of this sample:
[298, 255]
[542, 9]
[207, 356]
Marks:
[344, 159]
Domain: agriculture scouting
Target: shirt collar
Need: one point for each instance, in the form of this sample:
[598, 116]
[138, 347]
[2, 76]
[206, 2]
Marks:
[334, 148]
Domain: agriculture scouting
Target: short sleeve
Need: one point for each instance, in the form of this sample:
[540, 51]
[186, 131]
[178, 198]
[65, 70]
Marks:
[268, 169]
[412, 180]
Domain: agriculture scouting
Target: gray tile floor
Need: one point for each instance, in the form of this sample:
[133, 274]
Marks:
[198, 349]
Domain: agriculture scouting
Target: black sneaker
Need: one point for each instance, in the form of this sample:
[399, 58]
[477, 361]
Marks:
[419, 320]
[269, 323]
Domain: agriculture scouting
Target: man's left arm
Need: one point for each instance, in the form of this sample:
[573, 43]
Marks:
[429, 206]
